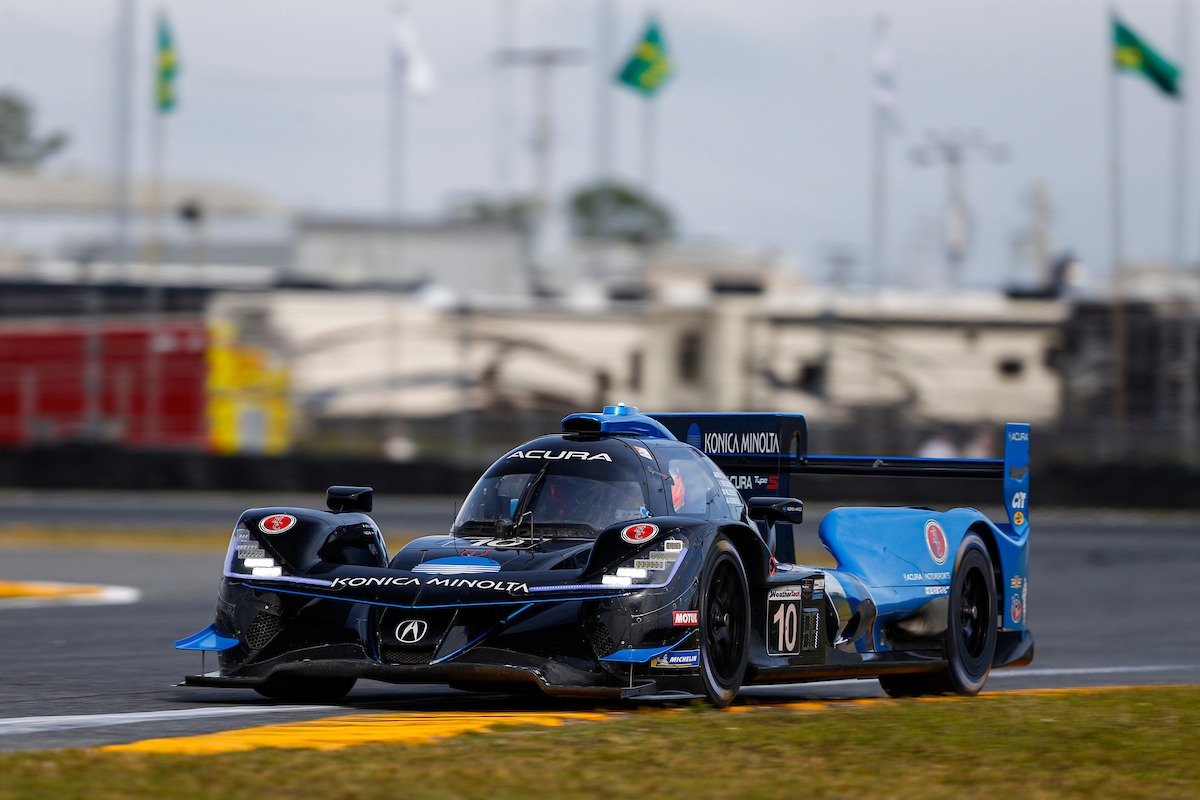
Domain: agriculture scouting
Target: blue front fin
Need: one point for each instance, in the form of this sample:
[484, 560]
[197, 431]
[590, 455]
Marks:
[208, 639]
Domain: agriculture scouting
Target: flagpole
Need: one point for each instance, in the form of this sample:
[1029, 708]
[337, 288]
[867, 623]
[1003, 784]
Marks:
[393, 394]
[604, 132]
[1187, 397]
[878, 191]
[396, 142]
[125, 44]
[604, 105]
[648, 145]
[879, 173]
[155, 288]
[396, 120]
[505, 101]
[878, 222]
[1118, 290]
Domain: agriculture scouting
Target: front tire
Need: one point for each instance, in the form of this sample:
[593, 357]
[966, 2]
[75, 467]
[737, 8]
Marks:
[724, 623]
[970, 645]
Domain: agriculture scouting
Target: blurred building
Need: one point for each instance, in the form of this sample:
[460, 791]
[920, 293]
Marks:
[248, 327]
[363, 357]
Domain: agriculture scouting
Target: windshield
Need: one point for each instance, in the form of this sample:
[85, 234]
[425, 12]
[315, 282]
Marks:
[573, 492]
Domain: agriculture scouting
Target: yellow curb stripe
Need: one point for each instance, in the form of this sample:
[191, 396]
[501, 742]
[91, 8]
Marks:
[422, 728]
[338, 732]
[35, 594]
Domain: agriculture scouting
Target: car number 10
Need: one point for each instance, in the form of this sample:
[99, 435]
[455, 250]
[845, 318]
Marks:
[784, 637]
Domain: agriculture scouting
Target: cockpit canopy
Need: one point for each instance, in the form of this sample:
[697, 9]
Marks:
[579, 486]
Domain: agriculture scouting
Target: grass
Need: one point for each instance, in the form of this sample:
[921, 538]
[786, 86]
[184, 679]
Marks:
[1123, 743]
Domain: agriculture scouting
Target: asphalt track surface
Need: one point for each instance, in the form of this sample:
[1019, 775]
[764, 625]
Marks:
[1112, 600]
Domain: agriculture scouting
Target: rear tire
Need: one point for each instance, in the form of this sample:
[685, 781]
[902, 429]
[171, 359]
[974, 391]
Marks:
[970, 644]
[724, 623]
[303, 689]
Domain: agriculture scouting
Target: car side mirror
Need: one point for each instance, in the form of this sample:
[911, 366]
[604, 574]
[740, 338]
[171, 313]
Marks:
[776, 509]
[340, 499]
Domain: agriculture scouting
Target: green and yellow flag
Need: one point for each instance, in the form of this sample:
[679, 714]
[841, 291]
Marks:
[649, 67]
[1131, 54]
[167, 66]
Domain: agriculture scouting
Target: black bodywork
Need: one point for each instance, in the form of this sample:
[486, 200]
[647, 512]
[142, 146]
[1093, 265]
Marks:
[679, 596]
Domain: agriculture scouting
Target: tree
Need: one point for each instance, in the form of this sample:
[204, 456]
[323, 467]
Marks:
[613, 212]
[18, 146]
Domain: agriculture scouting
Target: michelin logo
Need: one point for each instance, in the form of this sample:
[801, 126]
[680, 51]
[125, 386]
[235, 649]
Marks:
[677, 659]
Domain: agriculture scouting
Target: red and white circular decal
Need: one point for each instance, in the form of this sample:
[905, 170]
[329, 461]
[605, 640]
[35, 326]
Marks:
[1015, 610]
[935, 540]
[636, 534]
[276, 523]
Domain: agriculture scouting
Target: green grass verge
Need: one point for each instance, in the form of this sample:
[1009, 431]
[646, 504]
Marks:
[1124, 743]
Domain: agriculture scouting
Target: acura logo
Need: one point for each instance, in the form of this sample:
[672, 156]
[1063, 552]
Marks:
[411, 631]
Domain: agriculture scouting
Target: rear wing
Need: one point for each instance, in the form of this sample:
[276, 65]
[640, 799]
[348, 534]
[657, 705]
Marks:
[762, 451]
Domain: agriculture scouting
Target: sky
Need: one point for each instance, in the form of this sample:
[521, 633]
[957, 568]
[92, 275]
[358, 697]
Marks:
[762, 137]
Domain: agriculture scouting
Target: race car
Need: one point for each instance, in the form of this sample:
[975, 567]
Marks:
[634, 556]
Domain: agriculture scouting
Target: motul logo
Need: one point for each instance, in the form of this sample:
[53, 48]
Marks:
[686, 618]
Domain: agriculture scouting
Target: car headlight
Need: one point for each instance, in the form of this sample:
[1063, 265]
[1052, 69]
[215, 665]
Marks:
[246, 556]
[648, 568]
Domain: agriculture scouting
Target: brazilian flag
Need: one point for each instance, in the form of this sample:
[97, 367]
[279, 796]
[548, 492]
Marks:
[167, 66]
[1132, 54]
[649, 67]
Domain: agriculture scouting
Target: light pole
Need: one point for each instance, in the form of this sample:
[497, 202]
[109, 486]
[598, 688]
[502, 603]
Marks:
[544, 61]
[952, 149]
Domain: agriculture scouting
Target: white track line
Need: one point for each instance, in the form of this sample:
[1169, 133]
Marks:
[27, 725]
[1016, 672]
[1047, 673]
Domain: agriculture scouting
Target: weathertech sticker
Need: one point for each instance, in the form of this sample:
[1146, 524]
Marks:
[785, 613]
[276, 523]
[935, 540]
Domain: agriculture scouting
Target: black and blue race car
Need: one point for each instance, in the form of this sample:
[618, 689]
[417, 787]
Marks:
[638, 556]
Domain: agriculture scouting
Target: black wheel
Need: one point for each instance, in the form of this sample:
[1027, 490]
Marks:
[970, 643]
[724, 623]
[303, 689]
[971, 634]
